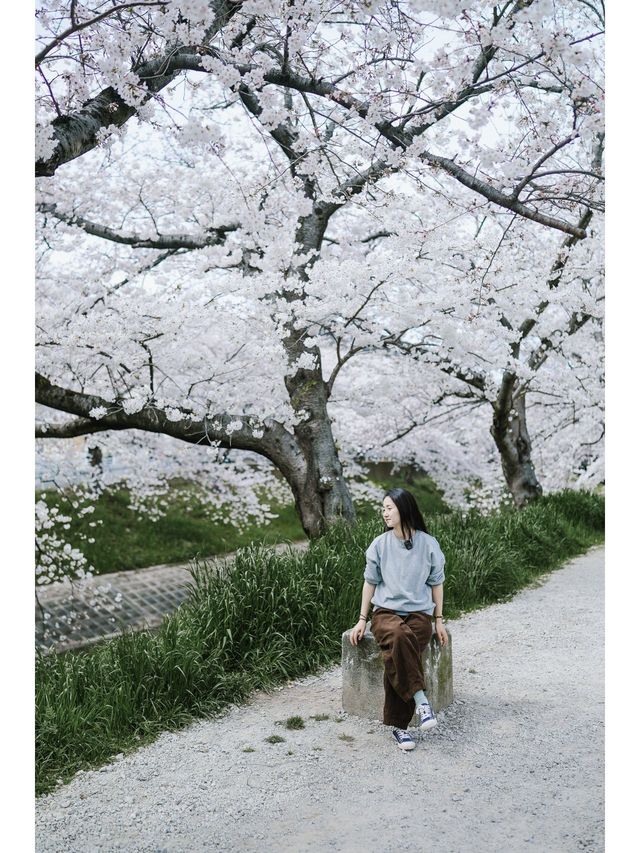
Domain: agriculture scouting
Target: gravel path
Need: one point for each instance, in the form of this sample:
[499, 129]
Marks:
[515, 764]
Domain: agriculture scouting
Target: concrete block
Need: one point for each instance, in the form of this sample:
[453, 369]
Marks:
[363, 672]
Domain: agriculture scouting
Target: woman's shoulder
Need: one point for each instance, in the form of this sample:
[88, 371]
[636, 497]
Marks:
[380, 539]
[427, 538]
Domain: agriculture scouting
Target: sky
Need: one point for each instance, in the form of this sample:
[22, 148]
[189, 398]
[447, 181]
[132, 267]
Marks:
[623, 310]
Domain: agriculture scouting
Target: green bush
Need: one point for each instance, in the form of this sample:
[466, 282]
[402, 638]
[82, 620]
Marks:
[271, 617]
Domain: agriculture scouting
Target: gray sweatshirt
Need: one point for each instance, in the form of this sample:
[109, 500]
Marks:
[403, 578]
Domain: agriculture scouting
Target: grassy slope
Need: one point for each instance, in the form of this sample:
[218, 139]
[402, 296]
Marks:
[128, 540]
[125, 540]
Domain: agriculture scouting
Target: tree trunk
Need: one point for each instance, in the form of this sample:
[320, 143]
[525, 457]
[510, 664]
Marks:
[321, 499]
[321, 495]
[320, 492]
[510, 433]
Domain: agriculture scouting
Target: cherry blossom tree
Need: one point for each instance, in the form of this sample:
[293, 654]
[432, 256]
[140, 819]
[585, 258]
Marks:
[512, 364]
[505, 314]
[193, 272]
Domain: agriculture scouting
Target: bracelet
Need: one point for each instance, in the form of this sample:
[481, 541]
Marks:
[438, 617]
[362, 617]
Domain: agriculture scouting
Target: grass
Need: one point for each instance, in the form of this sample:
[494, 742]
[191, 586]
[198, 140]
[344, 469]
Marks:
[428, 496]
[126, 540]
[271, 618]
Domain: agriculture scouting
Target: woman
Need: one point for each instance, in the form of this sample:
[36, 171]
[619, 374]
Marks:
[403, 578]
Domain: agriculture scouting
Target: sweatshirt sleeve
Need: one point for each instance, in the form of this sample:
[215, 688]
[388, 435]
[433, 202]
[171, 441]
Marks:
[372, 572]
[436, 575]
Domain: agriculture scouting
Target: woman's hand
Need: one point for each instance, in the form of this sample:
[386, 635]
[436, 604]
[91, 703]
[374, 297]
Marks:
[357, 632]
[441, 632]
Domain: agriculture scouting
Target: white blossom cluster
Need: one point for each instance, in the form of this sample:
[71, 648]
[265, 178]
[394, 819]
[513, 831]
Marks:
[56, 558]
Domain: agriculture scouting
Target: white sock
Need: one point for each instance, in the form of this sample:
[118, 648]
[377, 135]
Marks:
[420, 698]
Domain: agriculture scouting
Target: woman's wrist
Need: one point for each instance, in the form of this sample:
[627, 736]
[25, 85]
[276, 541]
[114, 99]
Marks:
[362, 617]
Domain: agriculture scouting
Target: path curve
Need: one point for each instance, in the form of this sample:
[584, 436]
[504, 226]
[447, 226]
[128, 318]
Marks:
[515, 764]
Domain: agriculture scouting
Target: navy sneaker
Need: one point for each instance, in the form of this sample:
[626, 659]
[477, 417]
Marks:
[403, 739]
[427, 717]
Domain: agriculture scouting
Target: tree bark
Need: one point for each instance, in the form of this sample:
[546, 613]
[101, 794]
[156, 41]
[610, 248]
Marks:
[321, 494]
[511, 436]
[323, 497]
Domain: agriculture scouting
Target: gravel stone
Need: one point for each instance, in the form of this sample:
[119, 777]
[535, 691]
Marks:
[515, 764]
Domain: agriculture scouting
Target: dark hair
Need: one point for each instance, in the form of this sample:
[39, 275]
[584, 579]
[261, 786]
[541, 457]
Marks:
[410, 515]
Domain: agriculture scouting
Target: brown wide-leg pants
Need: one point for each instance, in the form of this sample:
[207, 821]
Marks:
[402, 640]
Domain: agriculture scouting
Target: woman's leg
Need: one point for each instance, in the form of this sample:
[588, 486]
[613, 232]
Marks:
[402, 640]
[421, 626]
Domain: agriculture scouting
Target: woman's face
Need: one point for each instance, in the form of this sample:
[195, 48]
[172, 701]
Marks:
[390, 513]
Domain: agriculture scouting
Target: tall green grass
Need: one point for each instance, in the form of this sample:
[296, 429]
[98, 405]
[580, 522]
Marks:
[270, 617]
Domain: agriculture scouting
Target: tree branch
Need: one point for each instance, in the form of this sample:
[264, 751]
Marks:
[541, 353]
[275, 442]
[474, 380]
[76, 27]
[77, 133]
[403, 139]
[500, 198]
[71, 429]
[342, 360]
[437, 416]
[114, 288]
[283, 135]
[543, 159]
[168, 242]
